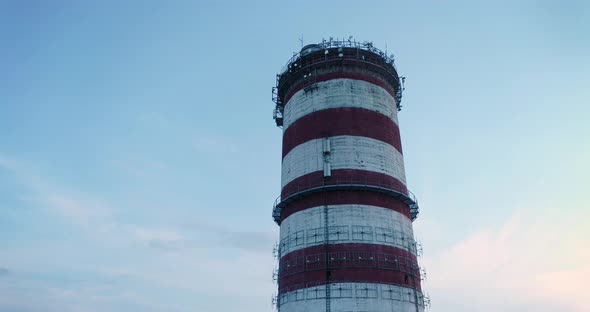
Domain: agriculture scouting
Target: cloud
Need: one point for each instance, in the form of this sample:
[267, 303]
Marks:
[96, 218]
[157, 238]
[526, 263]
[245, 239]
[28, 293]
[74, 206]
[209, 236]
[141, 168]
[139, 260]
[250, 240]
[79, 211]
[215, 144]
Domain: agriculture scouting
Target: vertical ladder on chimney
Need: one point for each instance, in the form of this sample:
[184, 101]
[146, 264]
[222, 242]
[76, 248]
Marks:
[327, 152]
[327, 258]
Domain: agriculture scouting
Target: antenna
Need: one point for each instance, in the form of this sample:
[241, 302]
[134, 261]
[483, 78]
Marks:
[301, 40]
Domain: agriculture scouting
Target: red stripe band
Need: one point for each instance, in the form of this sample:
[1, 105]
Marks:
[352, 121]
[365, 76]
[342, 177]
[320, 249]
[349, 262]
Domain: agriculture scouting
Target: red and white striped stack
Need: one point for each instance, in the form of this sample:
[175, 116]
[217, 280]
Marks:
[345, 214]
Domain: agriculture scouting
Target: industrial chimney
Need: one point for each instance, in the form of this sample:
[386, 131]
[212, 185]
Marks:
[345, 213]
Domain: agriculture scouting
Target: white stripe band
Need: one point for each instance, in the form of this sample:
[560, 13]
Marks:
[347, 152]
[340, 93]
[353, 297]
[363, 224]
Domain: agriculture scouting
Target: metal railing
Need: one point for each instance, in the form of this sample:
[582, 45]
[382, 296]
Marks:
[403, 292]
[294, 191]
[301, 62]
[343, 43]
[334, 52]
[292, 188]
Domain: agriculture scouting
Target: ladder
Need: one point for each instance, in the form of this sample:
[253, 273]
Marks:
[327, 258]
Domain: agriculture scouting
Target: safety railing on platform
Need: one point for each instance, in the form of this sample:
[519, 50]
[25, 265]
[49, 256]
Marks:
[355, 289]
[341, 43]
[293, 190]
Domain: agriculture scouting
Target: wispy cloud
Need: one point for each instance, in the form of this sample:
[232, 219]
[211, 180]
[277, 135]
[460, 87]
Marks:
[26, 293]
[72, 205]
[215, 144]
[245, 239]
[523, 263]
[78, 210]
[141, 168]
[92, 215]
[135, 258]
[157, 238]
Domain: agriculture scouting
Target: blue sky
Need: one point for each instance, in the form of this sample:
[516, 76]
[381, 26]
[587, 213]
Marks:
[139, 159]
